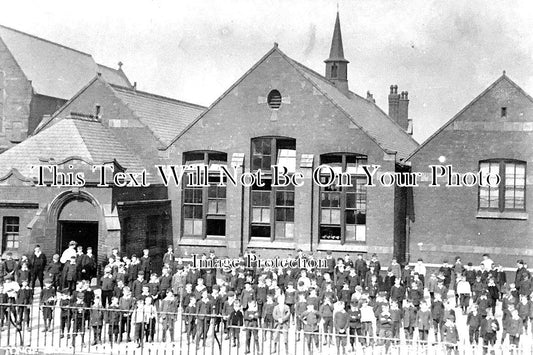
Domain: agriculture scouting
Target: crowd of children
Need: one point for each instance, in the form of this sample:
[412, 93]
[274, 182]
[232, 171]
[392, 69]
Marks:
[351, 302]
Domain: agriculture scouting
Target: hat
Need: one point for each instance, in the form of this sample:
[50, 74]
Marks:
[72, 242]
[231, 294]
[470, 264]
[216, 287]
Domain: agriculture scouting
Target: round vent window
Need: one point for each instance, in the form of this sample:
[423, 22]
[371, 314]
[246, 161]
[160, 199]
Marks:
[274, 99]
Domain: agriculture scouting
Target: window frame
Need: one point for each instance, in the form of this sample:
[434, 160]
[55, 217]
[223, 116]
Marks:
[502, 163]
[267, 174]
[7, 234]
[206, 215]
[343, 193]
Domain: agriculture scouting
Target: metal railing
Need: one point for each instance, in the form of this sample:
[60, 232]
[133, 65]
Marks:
[55, 329]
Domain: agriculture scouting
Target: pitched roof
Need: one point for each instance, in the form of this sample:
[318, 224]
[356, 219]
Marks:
[454, 118]
[336, 52]
[83, 139]
[364, 114]
[165, 117]
[114, 76]
[54, 70]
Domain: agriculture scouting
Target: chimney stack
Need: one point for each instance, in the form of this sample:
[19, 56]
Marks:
[394, 103]
[403, 111]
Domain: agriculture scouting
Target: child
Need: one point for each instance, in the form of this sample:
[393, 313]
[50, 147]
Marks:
[385, 327]
[251, 322]
[489, 330]
[48, 300]
[125, 305]
[341, 324]
[437, 314]
[154, 288]
[78, 317]
[326, 314]
[355, 323]
[423, 321]
[396, 317]
[137, 286]
[3, 308]
[227, 308]
[190, 319]
[300, 308]
[23, 274]
[267, 317]
[367, 318]
[150, 316]
[97, 320]
[107, 285]
[113, 319]
[515, 328]
[169, 310]
[69, 274]
[450, 336]
[463, 289]
[138, 319]
[474, 323]
[53, 271]
[24, 299]
[235, 321]
[64, 303]
[310, 319]
[409, 320]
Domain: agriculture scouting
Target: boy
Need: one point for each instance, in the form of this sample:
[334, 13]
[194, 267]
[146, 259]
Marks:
[169, 311]
[474, 324]
[150, 316]
[251, 322]
[112, 317]
[450, 336]
[24, 299]
[396, 318]
[423, 321]
[146, 263]
[108, 285]
[137, 286]
[367, 318]
[437, 314]
[53, 271]
[125, 305]
[326, 314]
[190, 319]
[489, 330]
[3, 308]
[138, 320]
[69, 274]
[310, 319]
[300, 308]
[341, 324]
[355, 323]
[267, 317]
[385, 327]
[409, 320]
[97, 320]
[48, 300]
[64, 303]
[235, 321]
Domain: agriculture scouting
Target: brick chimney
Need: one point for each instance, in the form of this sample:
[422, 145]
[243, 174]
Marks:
[394, 103]
[403, 111]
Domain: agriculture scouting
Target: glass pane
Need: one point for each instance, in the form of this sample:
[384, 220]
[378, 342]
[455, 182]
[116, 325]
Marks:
[187, 226]
[221, 206]
[15, 244]
[265, 215]
[266, 163]
[280, 229]
[280, 214]
[326, 216]
[350, 232]
[335, 200]
[212, 208]
[9, 244]
[360, 233]
[198, 212]
[198, 226]
[483, 197]
[188, 195]
[212, 191]
[324, 200]
[289, 230]
[256, 163]
[335, 217]
[287, 158]
[290, 215]
[360, 218]
[350, 200]
[256, 214]
[350, 217]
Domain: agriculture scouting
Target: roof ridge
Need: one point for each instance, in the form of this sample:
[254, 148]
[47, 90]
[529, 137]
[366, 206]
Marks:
[46, 40]
[458, 114]
[144, 93]
[81, 136]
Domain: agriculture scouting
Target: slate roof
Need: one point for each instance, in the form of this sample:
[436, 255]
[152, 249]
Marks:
[55, 70]
[165, 117]
[88, 140]
[363, 113]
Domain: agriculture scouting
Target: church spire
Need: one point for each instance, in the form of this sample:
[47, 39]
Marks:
[336, 64]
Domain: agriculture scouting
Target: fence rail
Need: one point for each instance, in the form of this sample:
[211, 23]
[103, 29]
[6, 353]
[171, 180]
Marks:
[40, 329]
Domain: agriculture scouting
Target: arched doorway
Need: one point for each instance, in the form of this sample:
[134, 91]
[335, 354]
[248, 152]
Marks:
[78, 220]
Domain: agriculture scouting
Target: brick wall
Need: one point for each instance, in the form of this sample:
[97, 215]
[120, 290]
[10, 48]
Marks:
[445, 218]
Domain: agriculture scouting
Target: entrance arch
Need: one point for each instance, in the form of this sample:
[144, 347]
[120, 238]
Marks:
[76, 215]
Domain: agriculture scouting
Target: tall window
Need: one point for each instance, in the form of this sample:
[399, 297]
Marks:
[10, 235]
[204, 207]
[509, 195]
[343, 208]
[272, 212]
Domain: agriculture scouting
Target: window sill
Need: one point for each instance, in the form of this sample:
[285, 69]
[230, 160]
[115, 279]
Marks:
[503, 215]
[267, 244]
[324, 245]
[215, 241]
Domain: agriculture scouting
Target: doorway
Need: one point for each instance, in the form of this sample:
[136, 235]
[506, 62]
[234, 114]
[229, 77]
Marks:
[85, 233]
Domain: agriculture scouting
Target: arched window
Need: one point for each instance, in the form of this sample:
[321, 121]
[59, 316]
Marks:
[272, 208]
[343, 209]
[204, 207]
[510, 194]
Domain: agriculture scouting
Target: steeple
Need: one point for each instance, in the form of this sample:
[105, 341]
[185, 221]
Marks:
[336, 64]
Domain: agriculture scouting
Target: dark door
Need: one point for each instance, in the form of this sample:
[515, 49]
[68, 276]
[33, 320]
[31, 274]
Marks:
[84, 233]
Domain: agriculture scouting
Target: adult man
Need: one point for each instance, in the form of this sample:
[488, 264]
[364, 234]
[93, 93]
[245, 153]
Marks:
[281, 315]
[522, 274]
[69, 252]
[88, 265]
[37, 265]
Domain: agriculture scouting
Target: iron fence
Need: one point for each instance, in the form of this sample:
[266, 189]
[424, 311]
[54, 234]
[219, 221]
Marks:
[55, 329]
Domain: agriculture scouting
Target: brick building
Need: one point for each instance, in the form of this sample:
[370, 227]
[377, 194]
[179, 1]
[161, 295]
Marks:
[37, 77]
[281, 112]
[103, 124]
[494, 133]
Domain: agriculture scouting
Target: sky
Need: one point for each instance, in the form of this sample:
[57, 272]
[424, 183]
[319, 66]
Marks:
[444, 53]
